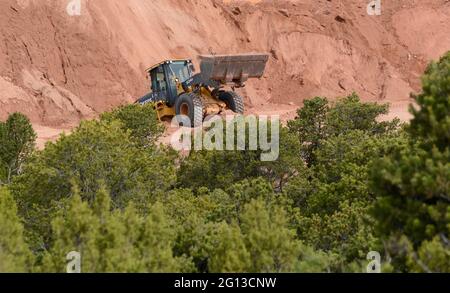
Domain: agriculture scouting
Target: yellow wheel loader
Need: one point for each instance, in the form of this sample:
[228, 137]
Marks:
[176, 90]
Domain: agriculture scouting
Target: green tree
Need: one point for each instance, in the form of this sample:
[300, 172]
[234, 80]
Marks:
[309, 126]
[95, 151]
[349, 114]
[15, 256]
[334, 199]
[412, 182]
[112, 241]
[210, 228]
[347, 233]
[195, 219]
[318, 120]
[141, 120]
[334, 202]
[342, 170]
[220, 169]
[217, 169]
[431, 121]
[229, 253]
[244, 192]
[289, 163]
[272, 244]
[17, 142]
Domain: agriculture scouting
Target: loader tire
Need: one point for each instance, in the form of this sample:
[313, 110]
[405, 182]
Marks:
[190, 105]
[234, 101]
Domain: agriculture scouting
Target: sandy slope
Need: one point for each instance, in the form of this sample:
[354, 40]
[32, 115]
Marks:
[59, 69]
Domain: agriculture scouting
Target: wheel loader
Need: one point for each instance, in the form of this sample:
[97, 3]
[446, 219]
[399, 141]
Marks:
[177, 90]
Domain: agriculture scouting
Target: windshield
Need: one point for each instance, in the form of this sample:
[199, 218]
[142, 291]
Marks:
[181, 70]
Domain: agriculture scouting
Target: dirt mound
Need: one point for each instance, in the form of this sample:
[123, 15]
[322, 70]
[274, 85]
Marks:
[58, 68]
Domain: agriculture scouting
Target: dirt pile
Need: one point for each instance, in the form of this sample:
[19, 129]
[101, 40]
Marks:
[58, 68]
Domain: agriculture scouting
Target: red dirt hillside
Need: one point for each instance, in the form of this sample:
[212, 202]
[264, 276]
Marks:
[58, 69]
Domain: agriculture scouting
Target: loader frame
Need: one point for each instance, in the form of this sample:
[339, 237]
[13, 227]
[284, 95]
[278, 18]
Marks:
[172, 78]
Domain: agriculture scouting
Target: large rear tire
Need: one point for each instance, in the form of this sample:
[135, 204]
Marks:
[190, 105]
[234, 101]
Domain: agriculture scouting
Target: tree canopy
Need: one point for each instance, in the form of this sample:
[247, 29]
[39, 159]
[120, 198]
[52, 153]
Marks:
[346, 182]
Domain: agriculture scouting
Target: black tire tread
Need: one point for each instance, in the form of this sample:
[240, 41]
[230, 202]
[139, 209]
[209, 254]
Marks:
[198, 110]
[197, 116]
[234, 101]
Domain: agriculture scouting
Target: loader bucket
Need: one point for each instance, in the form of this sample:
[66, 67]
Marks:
[233, 68]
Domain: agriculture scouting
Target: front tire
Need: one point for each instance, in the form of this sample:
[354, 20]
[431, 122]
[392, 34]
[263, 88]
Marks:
[234, 101]
[190, 105]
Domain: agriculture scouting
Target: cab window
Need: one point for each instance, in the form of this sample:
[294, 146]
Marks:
[181, 70]
[158, 79]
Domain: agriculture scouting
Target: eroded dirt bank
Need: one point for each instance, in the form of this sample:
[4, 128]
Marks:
[58, 69]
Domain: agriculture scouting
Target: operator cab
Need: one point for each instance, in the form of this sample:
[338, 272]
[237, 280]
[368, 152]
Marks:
[165, 77]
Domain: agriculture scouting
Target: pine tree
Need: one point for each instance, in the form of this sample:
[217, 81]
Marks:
[229, 253]
[94, 152]
[140, 120]
[14, 253]
[112, 240]
[17, 142]
[269, 240]
[413, 210]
